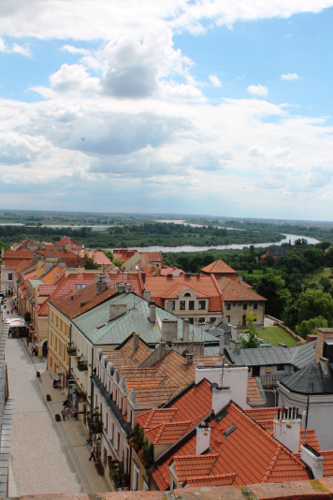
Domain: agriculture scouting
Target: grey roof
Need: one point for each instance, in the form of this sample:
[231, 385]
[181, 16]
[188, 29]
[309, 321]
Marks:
[298, 356]
[309, 381]
[136, 319]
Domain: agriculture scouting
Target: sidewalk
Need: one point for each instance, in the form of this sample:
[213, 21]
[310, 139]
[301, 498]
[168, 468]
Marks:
[72, 432]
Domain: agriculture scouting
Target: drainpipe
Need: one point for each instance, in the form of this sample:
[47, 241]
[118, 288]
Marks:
[307, 413]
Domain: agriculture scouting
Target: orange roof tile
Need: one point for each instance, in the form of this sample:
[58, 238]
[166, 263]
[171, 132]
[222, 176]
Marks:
[152, 256]
[233, 291]
[156, 416]
[328, 462]
[253, 394]
[168, 433]
[308, 436]
[218, 267]
[194, 465]
[216, 480]
[53, 275]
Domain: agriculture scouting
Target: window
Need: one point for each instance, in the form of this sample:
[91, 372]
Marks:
[187, 294]
[78, 287]
[173, 305]
[10, 276]
[202, 304]
[228, 307]
[280, 368]
[191, 320]
[212, 320]
[191, 305]
[145, 486]
[228, 319]
[255, 306]
[106, 422]
[201, 320]
[244, 305]
[182, 305]
[117, 442]
[111, 431]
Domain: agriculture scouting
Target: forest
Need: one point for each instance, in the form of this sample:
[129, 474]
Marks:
[140, 235]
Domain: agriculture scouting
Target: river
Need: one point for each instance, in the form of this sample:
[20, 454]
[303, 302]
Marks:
[236, 246]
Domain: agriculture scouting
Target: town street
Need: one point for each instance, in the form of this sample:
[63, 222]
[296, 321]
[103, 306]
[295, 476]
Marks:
[39, 460]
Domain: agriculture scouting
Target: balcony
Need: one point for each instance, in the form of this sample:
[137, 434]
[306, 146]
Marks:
[70, 379]
[71, 350]
[94, 422]
[82, 365]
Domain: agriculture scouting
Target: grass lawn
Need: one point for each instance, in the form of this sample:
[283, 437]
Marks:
[274, 335]
[257, 273]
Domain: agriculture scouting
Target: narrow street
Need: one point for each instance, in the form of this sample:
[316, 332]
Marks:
[39, 460]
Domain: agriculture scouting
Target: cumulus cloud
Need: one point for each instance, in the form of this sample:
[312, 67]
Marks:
[258, 90]
[215, 81]
[290, 76]
[73, 78]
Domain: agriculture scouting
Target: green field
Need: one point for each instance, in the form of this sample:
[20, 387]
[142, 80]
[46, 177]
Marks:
[274, 335]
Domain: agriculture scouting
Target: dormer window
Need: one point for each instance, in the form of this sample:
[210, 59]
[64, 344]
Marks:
[187, 294]
[202, 304]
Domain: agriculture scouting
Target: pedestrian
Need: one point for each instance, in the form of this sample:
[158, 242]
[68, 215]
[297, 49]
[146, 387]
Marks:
[92, 454]
[27, 341]
[66, 403]
[63, 411]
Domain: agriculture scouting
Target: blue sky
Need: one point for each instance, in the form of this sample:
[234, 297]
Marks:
[187, 107]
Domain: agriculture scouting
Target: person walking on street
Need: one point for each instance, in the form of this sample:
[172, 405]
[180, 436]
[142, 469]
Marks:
[63, 411]
[92, 454]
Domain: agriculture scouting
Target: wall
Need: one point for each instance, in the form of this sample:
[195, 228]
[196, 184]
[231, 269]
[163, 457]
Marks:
[237, 312]
[233, 377]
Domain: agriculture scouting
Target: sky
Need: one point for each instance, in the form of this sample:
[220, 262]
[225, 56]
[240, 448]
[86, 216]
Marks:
[188, 107]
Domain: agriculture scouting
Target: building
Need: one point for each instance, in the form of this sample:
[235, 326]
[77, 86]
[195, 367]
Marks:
[239, 299]
[11, 260]
[196, 298]
[311, 389]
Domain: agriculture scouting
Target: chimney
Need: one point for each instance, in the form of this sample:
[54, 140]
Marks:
[120, 287]
[162, 350]
[322, 335]
[152, 312]
[313, 460]
[203, 438]
[136, 338]
[169, 330]
[324, 365]
[146, 295]
[128, 288]
[117, 310]
[169, 306]
[287, 428]
[188, 275]
[240, 280]
[101, 285]
[186, 330]
[189, 359]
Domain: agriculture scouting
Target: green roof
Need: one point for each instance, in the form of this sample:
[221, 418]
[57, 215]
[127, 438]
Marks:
[34, 283]
[136, 319]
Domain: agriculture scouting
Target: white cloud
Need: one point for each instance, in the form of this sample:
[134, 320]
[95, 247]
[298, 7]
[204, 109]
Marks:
[15, 48]
[258, 90]
[215, 81]
[75, 50]
[290, 76]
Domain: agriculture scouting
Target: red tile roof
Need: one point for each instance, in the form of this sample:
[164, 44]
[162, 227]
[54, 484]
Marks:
[208, 481]
[249, 452]
[99, 258]
[253, 394]
[233, 291]
[53, 275]
[328, 462]
[152, 256]
[162, 287]
[67, 286]
[123, 254]
[194, 465]
[218, 267]
[168, 433]
[133, 278]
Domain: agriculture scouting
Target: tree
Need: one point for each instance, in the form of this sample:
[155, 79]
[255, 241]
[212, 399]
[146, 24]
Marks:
[251, 339]
[272, 287]
[314, 303]
[310, 326]
[90, 264]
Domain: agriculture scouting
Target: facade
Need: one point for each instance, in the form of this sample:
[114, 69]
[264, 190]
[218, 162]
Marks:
[196, 298]
[11, 259]
[239, 299]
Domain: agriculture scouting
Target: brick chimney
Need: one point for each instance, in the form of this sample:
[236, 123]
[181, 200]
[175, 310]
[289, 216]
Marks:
[203, 438]
[322, 335]
[287, 428]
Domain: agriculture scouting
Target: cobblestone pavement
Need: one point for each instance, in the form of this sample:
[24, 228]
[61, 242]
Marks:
[39, 459]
